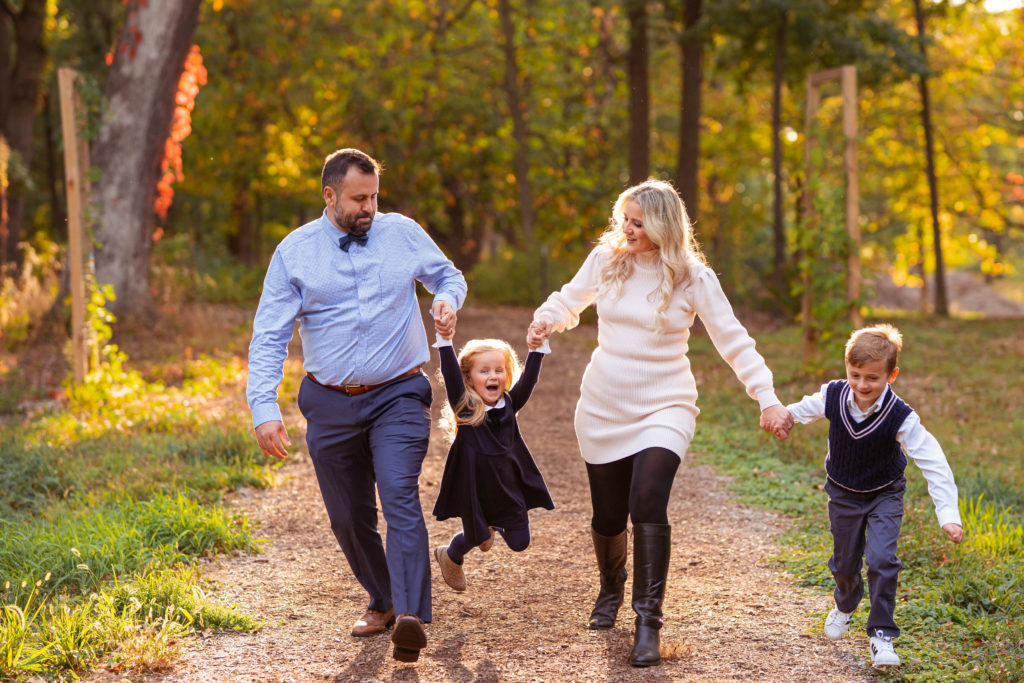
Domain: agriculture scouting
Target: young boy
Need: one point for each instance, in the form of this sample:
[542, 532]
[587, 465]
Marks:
[871, 431]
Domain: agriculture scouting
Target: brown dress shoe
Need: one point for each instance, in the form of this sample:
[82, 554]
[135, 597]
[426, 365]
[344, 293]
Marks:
[409, 638]
[451, 573]
[373, 622]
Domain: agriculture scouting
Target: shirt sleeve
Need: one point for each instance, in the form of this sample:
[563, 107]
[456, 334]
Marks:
[809, 408]
[454, 386]
[925, 451]
[272, 327]
[563, 308]
[730, 338]
[436, 271]
[520, 392]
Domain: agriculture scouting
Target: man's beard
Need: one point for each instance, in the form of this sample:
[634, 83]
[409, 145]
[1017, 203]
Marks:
[351, 223]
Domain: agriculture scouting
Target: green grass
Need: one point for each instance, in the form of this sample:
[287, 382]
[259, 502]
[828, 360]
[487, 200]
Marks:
[106, 502]
[961, 608]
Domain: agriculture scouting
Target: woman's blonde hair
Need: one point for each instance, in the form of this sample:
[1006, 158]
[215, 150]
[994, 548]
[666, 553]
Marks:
[471, 409]
[668, 227]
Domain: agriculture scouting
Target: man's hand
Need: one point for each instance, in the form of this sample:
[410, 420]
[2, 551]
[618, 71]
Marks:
[539, 331]
[444, 319]
[273, 438]
[954, 531]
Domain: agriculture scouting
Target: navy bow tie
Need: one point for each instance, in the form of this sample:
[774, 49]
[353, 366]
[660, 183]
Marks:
[346, 241]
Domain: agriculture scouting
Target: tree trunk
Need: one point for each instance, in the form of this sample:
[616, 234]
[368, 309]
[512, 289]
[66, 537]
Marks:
[639, 124]
[520, 133]
[778, 221]
[242, 243]
[464, 239]
[58, 212]
[140, 92]
[941, 302]
[689, 127]
[20, 69]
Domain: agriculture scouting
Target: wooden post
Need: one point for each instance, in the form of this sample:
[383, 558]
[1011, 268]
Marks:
[75, 181]
[848, 83]
[847, 77]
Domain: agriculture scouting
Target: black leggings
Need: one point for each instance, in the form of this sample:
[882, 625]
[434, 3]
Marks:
[636, 487]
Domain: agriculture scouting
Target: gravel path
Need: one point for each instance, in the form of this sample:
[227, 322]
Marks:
[731, 614]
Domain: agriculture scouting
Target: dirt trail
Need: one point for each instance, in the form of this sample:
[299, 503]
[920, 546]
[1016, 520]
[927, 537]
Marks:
[731, 614]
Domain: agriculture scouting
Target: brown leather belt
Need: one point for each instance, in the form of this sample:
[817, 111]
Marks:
[356, 389]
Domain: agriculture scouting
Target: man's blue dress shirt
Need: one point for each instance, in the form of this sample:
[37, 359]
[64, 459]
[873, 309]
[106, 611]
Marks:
[359, 319]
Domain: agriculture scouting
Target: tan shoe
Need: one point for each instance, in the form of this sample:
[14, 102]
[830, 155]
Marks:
[409, 638]
[486, 545]
[373, 622]
[452, 573]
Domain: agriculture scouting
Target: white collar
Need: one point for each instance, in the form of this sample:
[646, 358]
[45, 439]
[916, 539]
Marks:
[499, 404]
[851, 402]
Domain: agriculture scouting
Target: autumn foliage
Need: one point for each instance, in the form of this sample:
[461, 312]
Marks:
[193, 77]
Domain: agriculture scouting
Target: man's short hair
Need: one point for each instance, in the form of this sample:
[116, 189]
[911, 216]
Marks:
[878, 342]
[337, 163]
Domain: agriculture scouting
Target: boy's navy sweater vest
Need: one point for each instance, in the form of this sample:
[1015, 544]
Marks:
[864, 456]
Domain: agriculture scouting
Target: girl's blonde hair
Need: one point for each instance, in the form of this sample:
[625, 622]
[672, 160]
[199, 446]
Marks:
[668, 227]
[471, 409]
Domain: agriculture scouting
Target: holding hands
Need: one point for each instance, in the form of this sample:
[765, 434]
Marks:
[444, 319]
[538, 333]
[777, 420]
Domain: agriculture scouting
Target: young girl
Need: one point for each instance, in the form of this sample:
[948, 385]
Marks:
[490, 479]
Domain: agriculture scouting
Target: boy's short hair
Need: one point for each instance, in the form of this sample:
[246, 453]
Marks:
[877, 342]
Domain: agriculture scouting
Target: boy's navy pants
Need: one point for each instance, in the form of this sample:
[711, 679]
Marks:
[867, 526]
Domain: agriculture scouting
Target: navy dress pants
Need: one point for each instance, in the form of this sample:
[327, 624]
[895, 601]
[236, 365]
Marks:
[355, 442]
[867, 525]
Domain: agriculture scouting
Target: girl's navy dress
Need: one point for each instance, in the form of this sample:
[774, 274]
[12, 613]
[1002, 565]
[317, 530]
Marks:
[490, 478]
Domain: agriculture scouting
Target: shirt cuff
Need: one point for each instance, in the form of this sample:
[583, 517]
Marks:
[265, 413]
[544, 347]
[766, 399]
[441, 341]
[797, 417]
[948, 515]
[447, 299]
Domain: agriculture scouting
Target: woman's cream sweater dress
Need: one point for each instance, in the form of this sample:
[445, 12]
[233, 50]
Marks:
[638, 390]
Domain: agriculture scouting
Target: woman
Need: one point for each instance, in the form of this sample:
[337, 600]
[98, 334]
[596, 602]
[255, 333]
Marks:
[637, 409]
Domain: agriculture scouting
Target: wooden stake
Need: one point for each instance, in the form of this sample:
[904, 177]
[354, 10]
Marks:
[70, 106]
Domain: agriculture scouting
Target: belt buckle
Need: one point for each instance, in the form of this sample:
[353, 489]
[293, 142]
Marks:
[353, 387]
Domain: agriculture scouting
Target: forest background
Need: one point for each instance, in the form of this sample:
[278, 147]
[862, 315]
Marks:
[507, 128]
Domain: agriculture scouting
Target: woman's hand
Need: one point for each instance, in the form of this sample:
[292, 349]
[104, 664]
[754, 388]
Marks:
[539, 331]
[777, 420]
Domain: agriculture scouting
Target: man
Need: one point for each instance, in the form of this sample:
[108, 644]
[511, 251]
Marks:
[349, 278]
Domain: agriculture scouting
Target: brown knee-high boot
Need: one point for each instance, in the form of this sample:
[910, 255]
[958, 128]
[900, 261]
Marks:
[651, 548]
[611, 563]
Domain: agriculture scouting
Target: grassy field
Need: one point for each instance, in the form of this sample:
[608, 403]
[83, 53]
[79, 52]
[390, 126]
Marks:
[106, 501]
[960, 608]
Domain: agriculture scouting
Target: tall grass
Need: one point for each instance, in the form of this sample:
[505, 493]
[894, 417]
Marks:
[959, 606]
[82, 549]
[105, 502]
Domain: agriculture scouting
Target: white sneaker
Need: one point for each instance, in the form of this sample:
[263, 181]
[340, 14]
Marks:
[882, 652]
[836, 624]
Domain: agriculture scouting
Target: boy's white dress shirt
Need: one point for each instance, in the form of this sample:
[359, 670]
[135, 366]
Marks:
[916, 441]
